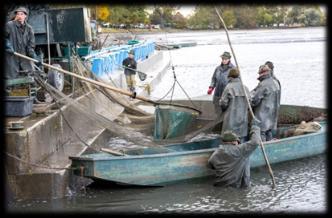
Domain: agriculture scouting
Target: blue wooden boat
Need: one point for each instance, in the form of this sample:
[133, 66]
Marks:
[157, 166]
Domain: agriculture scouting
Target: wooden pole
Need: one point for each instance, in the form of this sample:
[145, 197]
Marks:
[97, 83]
[250, 109]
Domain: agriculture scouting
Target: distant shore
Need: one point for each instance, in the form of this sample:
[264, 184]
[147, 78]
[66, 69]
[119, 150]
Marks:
[119, 36]
[172, 30]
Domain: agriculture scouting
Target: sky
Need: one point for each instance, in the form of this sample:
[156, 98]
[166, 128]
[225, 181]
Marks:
[187, 10]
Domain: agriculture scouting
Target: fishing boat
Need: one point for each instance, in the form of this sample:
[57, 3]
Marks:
[161, 165]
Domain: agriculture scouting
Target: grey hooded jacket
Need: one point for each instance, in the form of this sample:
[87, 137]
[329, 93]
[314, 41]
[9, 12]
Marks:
[231, 162]
[264, 101]
[219, 80]
[22, 39]
[235, 108]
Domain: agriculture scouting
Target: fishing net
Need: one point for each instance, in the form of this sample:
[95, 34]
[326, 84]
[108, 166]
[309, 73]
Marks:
[123, 118]
[170, 122]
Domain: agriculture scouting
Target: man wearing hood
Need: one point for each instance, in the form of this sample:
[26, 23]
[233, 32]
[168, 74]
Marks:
[234, 106]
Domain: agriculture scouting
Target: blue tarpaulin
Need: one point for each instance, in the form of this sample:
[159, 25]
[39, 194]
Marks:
[107, 60]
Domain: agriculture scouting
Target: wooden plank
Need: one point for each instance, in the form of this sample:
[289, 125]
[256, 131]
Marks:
[107, 150]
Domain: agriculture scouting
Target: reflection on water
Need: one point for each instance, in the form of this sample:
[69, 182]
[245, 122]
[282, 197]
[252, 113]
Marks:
[300, 188]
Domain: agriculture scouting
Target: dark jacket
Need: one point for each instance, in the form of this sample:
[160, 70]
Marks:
[264, 101]
[231, 162]
[235, 108]
[130, 63]
[22, 39]
[219, 80]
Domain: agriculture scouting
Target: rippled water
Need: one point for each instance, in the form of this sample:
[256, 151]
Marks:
[300, 189]
[299, 57]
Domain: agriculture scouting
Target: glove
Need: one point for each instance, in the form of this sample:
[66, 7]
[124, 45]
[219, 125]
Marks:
[255, 122]
[210, 90]
[39, 63]
[10, 51]
[9, 48]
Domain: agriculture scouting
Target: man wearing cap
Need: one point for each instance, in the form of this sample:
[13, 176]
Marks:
[219, 80]
[19, 37]
[235, 106]
[231, 160]
[130, 65]
[264, 102]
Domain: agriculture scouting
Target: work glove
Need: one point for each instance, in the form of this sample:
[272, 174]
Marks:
[9, 48]
[210, 90]
[255, 122]
[39, 63]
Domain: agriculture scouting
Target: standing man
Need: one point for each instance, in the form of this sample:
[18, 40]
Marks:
[235, 107]
[130, 66]
[264, 102]
[231, 160]
[219, 80]
[19, 37]
[271, 66]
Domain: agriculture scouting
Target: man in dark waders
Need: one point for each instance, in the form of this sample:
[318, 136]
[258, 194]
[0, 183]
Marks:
[231, 160]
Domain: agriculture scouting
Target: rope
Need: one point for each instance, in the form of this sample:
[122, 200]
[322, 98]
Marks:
[44, 85]
[36, 165]
[250, 109]
[174, 76]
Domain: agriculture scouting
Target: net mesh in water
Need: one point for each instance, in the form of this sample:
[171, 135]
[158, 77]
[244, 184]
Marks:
[172, 122]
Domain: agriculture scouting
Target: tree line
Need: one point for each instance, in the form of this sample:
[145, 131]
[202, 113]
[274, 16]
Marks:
[205, 16]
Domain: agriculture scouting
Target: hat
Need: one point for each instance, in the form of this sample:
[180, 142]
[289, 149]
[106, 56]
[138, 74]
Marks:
[263, 69]
[229, 136]
[234, 73]
[226, 55]
[22, 9]
[131, 52]
[269, 64]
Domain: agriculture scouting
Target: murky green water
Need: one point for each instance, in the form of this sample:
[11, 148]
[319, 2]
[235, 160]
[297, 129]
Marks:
[301, 188]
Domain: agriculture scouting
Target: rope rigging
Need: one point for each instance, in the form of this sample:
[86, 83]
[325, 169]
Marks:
[172, 89]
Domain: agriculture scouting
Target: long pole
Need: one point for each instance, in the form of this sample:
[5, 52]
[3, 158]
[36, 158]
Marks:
[121, 91]
[250, 109]
[48, 40]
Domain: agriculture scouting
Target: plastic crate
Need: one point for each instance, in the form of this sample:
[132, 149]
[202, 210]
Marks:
[83, 50]
[18, 106]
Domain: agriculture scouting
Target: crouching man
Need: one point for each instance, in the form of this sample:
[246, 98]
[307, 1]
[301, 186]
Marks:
[231, 160]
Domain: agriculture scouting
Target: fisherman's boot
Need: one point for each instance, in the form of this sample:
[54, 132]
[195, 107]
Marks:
[133, 92]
